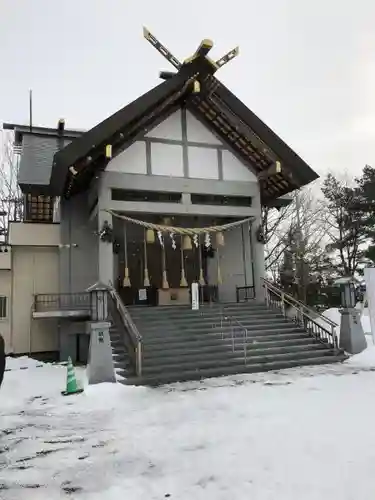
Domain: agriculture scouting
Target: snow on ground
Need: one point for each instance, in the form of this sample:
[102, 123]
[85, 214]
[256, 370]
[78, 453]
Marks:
[305, 433]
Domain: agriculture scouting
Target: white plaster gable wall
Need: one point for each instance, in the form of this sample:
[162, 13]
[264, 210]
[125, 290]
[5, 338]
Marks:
[171, 128]
[167, 159]
[197, 132]
[130, 161]
[234, 170]
[203, 163]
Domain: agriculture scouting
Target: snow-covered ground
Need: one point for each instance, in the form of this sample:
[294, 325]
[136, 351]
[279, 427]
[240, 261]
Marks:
[299, 434]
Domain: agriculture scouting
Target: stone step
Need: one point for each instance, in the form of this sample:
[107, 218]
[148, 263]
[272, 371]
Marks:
[187, 313]
[187, 375]
[264, 341]
[190, 335]
[198, 344]
[134, 309]
[120, 356]
[207, 318]
[172, 330]
[119, 342]
[194, 356]
[181, 344]
[237, 361]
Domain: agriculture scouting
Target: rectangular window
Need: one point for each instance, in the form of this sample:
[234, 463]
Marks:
[214, 199]
[150, 196]
[3, 307]
[38, 208]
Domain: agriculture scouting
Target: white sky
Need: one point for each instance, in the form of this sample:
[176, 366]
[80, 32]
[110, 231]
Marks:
[306, 68]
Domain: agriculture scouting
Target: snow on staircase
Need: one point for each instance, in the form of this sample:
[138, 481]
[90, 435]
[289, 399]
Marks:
[180, 344]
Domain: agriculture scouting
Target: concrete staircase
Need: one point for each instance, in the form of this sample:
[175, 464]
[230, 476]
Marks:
[180, 344]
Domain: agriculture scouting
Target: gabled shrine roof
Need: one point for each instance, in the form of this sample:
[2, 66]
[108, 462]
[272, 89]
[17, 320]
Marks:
[279, 169]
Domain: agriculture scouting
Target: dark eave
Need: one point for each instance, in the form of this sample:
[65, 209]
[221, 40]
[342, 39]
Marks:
[301, 170]
[87, 154]
[281, 202]
[42, 131]
[251, 141]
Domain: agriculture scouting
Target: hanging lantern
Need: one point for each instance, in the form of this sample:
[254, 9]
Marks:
[150, 236]
[186, 245]
[220, 239]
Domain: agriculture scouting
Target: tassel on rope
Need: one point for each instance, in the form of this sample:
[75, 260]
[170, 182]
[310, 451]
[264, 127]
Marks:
[146, 281]
[165, 284]
[126, 281]
[187, 243]
[219, 277]
[201, 280]
[150, 236]
[201, 277]
[183, 281]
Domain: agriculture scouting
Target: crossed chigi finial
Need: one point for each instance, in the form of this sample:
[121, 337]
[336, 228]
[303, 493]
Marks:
[202, 51]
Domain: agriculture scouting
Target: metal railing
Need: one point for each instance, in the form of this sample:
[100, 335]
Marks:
[45, 302]
[237, 332]
[303, 315]
[133, 338]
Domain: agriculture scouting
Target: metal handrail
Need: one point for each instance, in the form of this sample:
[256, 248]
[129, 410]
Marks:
[130, 328]
[299, 303]
[306, 315]
[234, 321]
[61, 301]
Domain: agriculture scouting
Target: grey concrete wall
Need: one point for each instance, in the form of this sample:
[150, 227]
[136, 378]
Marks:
[78, 266]
[110, 180]
[79, 246]
[179, 184]
[235, 263]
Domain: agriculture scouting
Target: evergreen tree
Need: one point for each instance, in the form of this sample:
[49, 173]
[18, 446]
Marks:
[366, 204]
[347, 224]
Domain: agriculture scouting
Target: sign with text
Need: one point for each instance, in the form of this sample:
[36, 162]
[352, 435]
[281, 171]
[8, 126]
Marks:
[195, 296]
